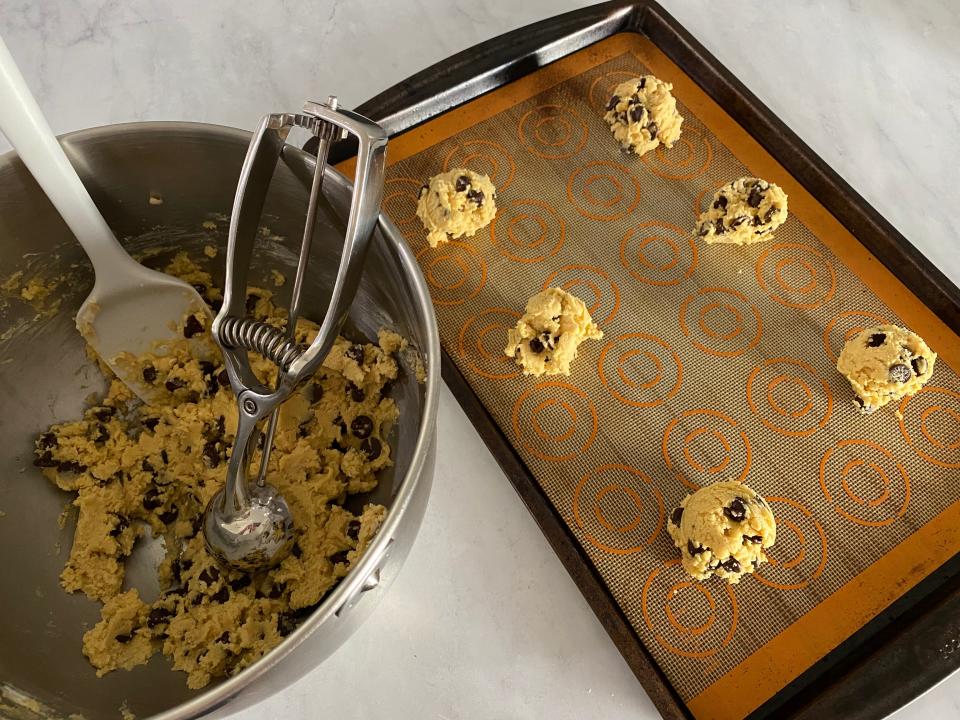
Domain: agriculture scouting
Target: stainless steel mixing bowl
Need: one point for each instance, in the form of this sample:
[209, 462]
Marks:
[44, 377]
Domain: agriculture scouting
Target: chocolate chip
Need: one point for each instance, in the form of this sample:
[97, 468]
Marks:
[676, 516]
[423, 189]
[192, 326]
[316, 392]
[221, 595]
[104, 413]
[123, 638]
[225, 637]
[240, 583]
[704, 229]
[170, 515]
[209, 575]
[919, 365]
[536, 346]
[200, 288]
[736, 510]
[353, 530]
[212, 453]
[371, 447]
[150, 423]
[718, 226]
[151, 498]
[276, 591]
[355, 392]
[197, 599]
[755, 196]
[251, 302]
[876, 340]
[223, 378]
[738, 221]
[636, 113]
[173, 384]
[45, 459]
[899, 373]
[613, 102]
[296, 550]
[47, 440]
[475, 196]
[164, 457]
[339, 557]
[695, 549]
[71, 466]
[122, 524]
[720, 202]
[757, 222]
[361, 426]
[755, 539]
[149, 374]
[462, 183]
[158, 616]
[355, 353]
[768, 216]
[101, 435]
[732, 565]
[286, 624]
[643, 81]
[652, 129]
[193, 397]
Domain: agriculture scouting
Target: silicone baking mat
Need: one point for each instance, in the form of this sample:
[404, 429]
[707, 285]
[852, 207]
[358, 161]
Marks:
[717, 362]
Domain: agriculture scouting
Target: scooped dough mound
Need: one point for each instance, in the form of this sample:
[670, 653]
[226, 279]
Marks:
[744, 211]
[133, 466]
[545, 339]
[455, 204]
[885, 363]
[722, 529]
[642, 114]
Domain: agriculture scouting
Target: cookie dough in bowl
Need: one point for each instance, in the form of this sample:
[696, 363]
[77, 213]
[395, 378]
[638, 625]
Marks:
[722, 529]
[885, 363]
[742, 212]
[642, 115]
[455, 204]
[545, 339]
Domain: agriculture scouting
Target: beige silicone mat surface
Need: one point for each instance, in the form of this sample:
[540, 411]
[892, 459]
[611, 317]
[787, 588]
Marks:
[716, 362]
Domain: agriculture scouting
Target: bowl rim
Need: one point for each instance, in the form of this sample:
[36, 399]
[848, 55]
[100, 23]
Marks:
[351, 584]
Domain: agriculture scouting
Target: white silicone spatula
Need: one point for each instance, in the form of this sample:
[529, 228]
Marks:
[131, 309]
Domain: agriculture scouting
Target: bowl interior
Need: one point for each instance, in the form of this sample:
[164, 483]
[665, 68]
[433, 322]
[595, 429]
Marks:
[45, 376]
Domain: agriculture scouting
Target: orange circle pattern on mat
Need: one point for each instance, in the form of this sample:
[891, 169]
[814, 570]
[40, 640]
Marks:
[864, 482]
[658, 253]
[528, 231]
[688, 618]
[844, 326]
[483, 156]
[455, 272]
[789, 397]
[400, 196]
[481, 341]
[555, 421]
[618, 508]
[640, 370]
[703, 446]
[592, 285]
[690, 157]
[800, 553]
[603, 191]
[931, 425]
[796, 275]
[721, 321]
[553, 132]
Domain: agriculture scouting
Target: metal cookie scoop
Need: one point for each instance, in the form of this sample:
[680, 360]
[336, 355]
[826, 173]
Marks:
[248, 525]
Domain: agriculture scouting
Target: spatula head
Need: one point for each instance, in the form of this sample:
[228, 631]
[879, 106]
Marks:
[146, 313]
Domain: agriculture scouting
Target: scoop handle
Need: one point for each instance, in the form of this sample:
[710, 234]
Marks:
[27, 130]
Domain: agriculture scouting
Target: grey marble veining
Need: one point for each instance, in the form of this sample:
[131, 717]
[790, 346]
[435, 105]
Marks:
[483, 621]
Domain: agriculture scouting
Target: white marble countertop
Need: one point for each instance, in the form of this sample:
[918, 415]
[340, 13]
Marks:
[483, 620]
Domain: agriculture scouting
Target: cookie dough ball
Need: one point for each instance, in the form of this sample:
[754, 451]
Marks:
[744, 211]
[885, 363]
[643, 114]
[722, 529]
[455, 204]
[546, 337]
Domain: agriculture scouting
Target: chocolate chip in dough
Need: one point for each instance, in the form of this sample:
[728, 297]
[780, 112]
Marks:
[224, 379]
[170, 515]
[899, 373]
[755, 196]
[123, 638]
[613, 102]
[919, 365]
[695, 549]
[122, 524]
[356, 393]
[732, 565]
[718, 226]
[362, 426]
[48, 440]
[876, 340]
[462, 183]
[158, 616]
[224, 637]
[286, 624]
[652, 129]
[475, 196]
[755, 539]
[209, 575]
[353, 530]
[736, 510]
[738, 221]
[355, 353]
[316, 393]
[149, 374]
[371, 447]
[636, 113]
[536, 346]
[151, 498]
[720, 202]
[339, 557]
[240, 583]
[676, 516]
[192, 326]
[174, 384]
[221, 595]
